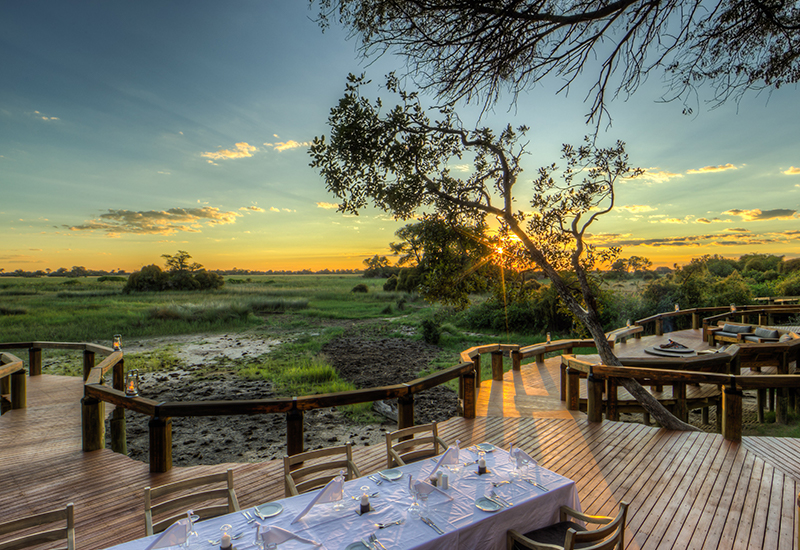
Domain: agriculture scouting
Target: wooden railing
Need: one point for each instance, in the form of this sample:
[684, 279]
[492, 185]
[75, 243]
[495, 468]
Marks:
[12, 383]
[719, 313]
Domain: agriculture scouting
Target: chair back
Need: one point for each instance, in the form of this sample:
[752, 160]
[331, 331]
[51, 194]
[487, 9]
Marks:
[40, 536]
[412, 444]
[207, 496]
[608, 537]
[320, 466]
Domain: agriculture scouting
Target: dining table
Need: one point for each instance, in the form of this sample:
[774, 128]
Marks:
[458, 517]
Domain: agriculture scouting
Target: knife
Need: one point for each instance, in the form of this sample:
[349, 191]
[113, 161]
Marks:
[540, 486]
[496, 501]
[433, 525]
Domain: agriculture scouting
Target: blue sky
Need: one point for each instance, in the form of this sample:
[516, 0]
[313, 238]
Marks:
[131, 130]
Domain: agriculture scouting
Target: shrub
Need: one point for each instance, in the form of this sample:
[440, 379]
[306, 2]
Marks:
[361, 287]
[111, 279]
[790, 286]
[431, 333]
[150, 278]
[391, 284]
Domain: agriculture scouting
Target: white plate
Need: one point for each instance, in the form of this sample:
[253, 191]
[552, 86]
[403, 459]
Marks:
[356, 546]
[487, 505]
[391, 475]
[485, 447]
[270, 509]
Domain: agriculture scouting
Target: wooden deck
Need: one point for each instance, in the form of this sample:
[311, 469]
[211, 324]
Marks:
[687, 490]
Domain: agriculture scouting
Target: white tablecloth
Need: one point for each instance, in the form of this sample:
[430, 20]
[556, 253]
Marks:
[465, 526]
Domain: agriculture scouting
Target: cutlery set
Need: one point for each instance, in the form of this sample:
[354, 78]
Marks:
[372, 542]
[497, 499]
[389, 524]
[376, 479]
[539, 485]
[429, 522]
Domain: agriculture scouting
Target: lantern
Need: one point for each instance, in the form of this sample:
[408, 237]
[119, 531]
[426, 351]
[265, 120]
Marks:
[117, 345]
[132, 383]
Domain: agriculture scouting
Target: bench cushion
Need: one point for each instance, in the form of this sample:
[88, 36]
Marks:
[785, 337]
[762, 332]
[736, 329]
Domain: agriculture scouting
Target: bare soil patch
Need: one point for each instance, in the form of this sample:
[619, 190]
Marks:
[212, 440]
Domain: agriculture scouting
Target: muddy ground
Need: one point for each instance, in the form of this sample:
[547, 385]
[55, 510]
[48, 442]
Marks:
[212, 440]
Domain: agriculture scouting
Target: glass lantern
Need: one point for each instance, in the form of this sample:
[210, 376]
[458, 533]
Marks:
[132, 383]
[117, 345]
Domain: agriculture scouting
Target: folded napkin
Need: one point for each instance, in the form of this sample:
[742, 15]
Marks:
[522, 457]
[332, 492]
[276, 535]
[449, 458]
[175, 535]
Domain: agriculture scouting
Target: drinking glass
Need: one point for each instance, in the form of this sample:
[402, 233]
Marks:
[414, 509]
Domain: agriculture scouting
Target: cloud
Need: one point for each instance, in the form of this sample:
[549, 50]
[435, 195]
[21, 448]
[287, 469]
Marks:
[281, 146]
[157, 222]
[686, 219]
[720, 168]
[273, 209]
[651, 175]
[792, 171]
[759, 215]
[43, 117]
[637, 208]
[242, 150]
[327, 205]
[252, 209]
[736, 230]
[461, 167]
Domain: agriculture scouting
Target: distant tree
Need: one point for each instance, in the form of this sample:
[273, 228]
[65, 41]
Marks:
[180, 275]
[398, 160]
[378, 267]
[180, 262]
[474, 49]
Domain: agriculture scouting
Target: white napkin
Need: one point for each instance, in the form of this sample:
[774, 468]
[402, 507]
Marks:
[175, 535]
[332, 492]
[450, 457]
[522, 457]
[276, 535]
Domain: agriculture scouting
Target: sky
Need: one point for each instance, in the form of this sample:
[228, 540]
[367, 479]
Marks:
[129, 130]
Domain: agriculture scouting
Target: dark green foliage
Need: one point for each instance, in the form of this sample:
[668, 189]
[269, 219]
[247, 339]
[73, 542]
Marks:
[391, 284]
[361, 287]
[208, 280]
[378, 268]
[181, 275]
[111, 278]
[149, 279]
[431, 331]
[790, 266]
[790, 286]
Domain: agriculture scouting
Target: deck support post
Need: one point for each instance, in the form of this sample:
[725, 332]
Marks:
[119, 439]
[88, 363]
[594, 401]
[19, 392]
[468, 398]
[35, 361]
[732, 414]
[497, 366]
[563, 382]
[160, 444]
[5, 385]
[516, 360]
[659, 327]
[782, 406]
[294, 431]
[695, 321]
[612, 402]
[405, 411]
[477, 362]
[704, 416]
[93, 424]
[646, 418]
[679, 395]
[771, 396]
[573, 389]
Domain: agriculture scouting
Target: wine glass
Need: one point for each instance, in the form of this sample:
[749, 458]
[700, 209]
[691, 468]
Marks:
[414, 509]
[192, 517]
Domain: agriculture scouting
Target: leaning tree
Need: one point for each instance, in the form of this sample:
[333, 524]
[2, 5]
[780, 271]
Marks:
[398, 160]
[473, 49]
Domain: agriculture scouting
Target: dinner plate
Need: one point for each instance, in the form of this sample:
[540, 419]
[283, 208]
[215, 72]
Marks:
[391, 475]
[487, 505]
[356, 546]
[485, 447]
[270, 509]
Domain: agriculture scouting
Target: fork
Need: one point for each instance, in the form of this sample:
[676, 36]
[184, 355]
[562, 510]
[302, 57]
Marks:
[500, 499]
[499, 483]
[374, 540]
[249, 517]
[375, 479]
[385, 525]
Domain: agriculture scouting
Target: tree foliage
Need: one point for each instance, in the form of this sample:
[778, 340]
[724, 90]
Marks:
[181, 274]
[474, 49]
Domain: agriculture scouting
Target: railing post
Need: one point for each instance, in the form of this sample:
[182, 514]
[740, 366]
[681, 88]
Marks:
[35, 361]
[93, 424]
[497, 366]
[732, 414]
[761, 398]
[594, 401]
[573, 389]
[5, 385]
[612, 401]
[679, 395]
[160, 444]
[516, 360]
[477, 361]
[119, 439]
[563, 382]
[19, 395]
[659, 327]
[405, 411]
[695, 321]
[88, 363]
[294, 432]
[468, 399]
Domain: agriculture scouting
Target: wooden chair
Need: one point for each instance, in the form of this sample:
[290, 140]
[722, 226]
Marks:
[182, 496]
[32, 539]
[411, 447]
[565, 534]
[294, 472]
